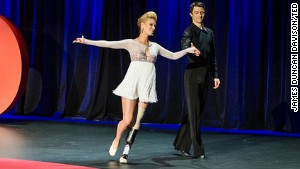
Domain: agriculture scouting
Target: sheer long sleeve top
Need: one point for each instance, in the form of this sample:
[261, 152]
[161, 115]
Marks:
[139, 51]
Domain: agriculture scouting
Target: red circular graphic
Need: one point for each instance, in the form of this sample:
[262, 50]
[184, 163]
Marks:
[13, 65]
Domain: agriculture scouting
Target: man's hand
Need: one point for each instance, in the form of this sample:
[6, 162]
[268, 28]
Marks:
[216, 83]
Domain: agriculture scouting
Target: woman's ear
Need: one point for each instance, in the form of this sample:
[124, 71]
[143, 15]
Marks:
[142, 27]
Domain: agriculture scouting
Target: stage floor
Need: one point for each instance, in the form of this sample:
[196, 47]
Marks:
[87, 145]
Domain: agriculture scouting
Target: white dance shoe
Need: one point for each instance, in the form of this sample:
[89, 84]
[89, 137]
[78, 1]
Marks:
[123, 159]
[112, 150]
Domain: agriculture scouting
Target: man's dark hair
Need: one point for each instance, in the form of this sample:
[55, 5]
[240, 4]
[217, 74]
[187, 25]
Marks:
[198, 4]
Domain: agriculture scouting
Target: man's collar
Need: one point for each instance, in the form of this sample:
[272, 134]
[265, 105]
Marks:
[203, 27]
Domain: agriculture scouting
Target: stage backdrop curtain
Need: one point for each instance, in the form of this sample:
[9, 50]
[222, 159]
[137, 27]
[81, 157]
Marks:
[69, 80]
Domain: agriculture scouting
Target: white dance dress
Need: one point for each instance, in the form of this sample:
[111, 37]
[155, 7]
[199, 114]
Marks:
[140, 79]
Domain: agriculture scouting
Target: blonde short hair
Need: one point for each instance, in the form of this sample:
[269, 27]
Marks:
[145, 16]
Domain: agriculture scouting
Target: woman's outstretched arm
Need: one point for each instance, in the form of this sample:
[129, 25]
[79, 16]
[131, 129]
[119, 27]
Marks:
[122, 44]
[176, 55]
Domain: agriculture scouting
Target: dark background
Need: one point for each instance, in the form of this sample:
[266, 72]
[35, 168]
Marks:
[70, 80]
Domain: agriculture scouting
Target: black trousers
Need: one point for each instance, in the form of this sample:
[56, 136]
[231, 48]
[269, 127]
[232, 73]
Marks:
[189, 133]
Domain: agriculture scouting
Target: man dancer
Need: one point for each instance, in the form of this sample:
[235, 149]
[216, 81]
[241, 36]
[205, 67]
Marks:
[196, 81]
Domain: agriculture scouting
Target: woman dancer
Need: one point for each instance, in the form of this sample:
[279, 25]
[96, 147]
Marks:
[139, 84]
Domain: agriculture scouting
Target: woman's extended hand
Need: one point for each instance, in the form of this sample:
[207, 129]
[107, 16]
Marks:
[194, 50]
[79, 40]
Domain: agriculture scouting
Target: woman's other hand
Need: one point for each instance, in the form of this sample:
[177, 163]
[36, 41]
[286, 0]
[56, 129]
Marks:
[79, 40]
[194, 50]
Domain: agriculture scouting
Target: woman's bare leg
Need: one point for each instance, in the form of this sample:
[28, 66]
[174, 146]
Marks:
[128, 107]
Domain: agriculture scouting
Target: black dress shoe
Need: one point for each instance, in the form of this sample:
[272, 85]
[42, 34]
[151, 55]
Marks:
[202, 156]
[186, 153]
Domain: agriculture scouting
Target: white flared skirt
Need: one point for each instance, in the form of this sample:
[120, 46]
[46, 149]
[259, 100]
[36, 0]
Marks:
[139, 82]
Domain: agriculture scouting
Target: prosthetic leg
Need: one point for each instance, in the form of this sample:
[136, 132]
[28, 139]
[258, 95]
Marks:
[128, 143]
[129, 140]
